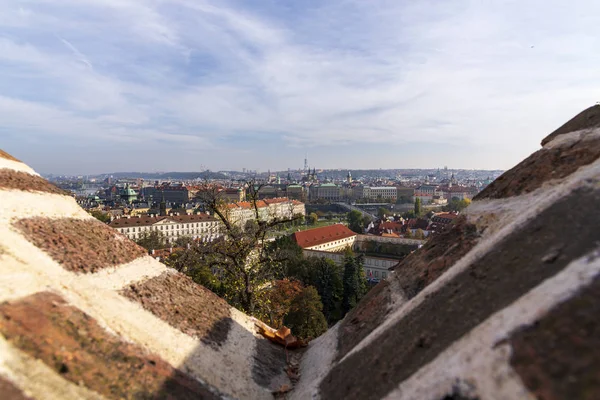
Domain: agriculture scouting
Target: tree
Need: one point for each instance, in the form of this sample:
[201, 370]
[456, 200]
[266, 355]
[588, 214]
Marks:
[244, 257]
[323, 274]
[355, 283]
[409, 214]
[184, 241]
[408, 233]
[152, 240]
[355, 221]
[305, 318]
[418, 207]
[419, 234]
[277, 301]
[100, 215]
[381, 212]
[191, 263]
[313, 218]
[457, 204]
[326, 276]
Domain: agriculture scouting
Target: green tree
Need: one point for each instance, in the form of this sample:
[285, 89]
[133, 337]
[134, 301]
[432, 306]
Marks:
[100, 215]
[244, 258]
[191, 263]
[326, 276]
[354, 282]
[382, 211]
[306, 319]
[355, 221]
[184, 241]
[409, 214]
[312, 218]
[418, 207]
[152, 240]
[277, 301]
[419, 234]
[457, 204]
[408, 234]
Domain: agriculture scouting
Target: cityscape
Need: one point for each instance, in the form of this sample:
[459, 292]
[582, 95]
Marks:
[299, 200]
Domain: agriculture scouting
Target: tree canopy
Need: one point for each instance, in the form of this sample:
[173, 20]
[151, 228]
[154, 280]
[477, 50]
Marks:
[152, 240]
[354, 281]
[355, 221]
[305, 318]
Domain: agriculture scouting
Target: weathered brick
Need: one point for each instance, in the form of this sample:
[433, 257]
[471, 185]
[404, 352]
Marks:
[541, 167]
[4, 154]
[185, 305]
[558, 356]
[73, 344]
[364, 318]
[588, 118]
[79, 245]
[8, 391]
[514, 266]
[18, 180]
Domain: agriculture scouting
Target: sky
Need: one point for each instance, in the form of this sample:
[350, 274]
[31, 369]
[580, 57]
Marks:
[100, 86]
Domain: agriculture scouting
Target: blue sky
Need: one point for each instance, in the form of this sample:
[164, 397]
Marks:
[112, 85]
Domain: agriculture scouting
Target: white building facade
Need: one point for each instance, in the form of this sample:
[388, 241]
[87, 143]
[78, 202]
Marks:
[196, 226]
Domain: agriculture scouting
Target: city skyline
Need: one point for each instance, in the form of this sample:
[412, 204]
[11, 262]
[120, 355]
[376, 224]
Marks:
[122, 85]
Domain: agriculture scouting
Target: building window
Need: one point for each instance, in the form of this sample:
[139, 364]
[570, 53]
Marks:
[384, 275]
[376, 274]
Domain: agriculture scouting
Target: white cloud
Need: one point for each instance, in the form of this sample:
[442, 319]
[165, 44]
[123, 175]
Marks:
[491, 77]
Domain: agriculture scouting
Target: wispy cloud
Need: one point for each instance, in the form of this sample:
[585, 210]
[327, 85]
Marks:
[78, 55]
[403, 79]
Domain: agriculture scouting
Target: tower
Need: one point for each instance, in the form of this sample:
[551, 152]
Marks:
[349, 177]
[163, 205]
[306, 163]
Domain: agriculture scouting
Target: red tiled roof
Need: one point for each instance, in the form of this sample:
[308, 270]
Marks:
[314, 237]
[446, 215]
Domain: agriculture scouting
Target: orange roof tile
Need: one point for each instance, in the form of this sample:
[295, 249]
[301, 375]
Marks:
[314, 237]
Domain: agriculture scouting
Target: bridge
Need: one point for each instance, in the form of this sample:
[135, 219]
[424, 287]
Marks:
[350, 207]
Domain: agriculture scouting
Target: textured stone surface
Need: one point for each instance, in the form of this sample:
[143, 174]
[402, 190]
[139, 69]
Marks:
[411, 276]
[513, 267]
[541, 167]
[76, 347]
[185, 305]
[424, 266]
[269, 362]
[79, 245]
[4, 154]
[17, 180]
[558, 357]
[364, 318]
[8, 391]
[589, 118]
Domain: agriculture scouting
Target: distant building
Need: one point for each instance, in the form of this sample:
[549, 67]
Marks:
[179, 194]
[269, 209]
[405, 193]
[325, 191]
[441, 221]
[233, 195]
[197, 226]
[328, 238]
[383, 193]
[295, 192]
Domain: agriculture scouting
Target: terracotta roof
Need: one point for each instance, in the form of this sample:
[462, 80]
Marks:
[446, 215]
[314, 237]
[145, 220]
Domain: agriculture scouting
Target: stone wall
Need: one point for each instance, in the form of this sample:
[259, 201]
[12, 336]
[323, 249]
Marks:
[500, 306]
[86, 314]
[503, 305]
